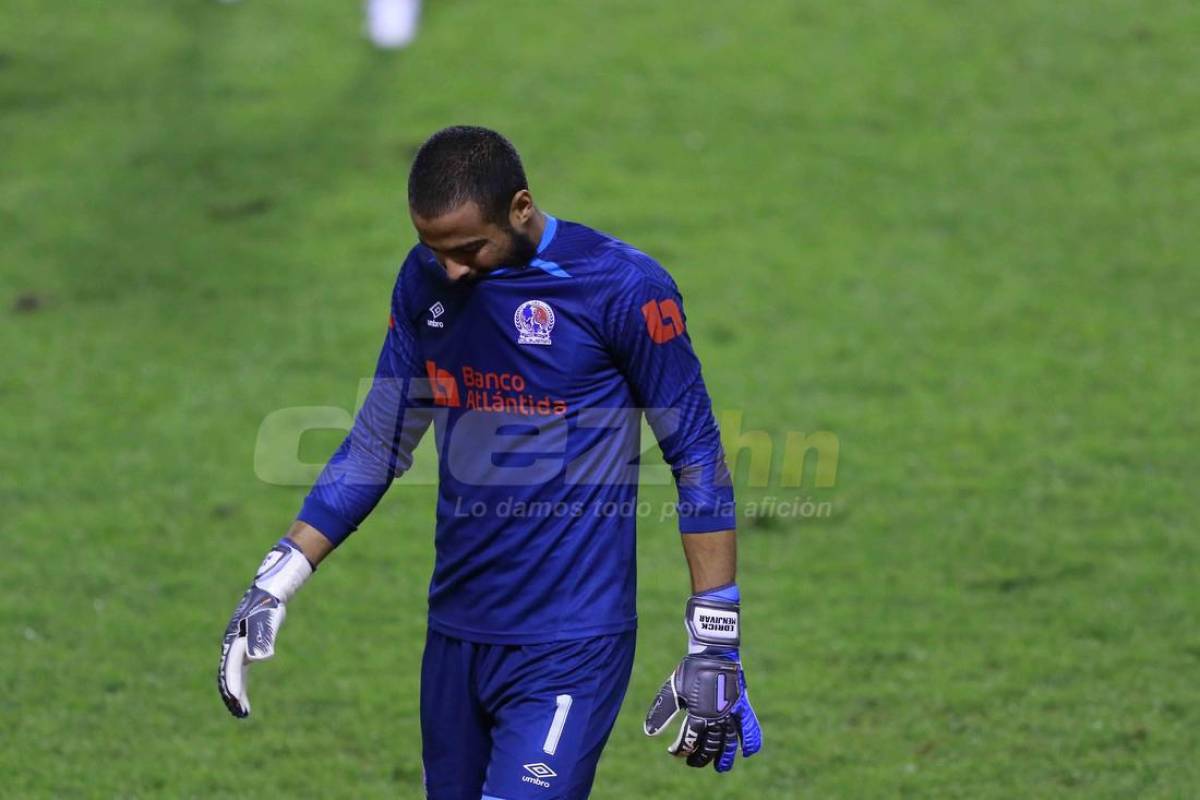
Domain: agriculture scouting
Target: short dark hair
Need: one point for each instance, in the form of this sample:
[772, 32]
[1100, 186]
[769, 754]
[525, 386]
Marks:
[465, 163]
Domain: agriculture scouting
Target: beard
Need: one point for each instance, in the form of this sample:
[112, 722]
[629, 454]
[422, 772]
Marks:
[521, 249]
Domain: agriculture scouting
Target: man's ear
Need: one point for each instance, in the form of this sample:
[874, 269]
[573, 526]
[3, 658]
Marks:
[520, 210]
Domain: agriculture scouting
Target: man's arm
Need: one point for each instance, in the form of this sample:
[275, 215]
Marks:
[712, 559]
[314, 544]
[709, 684]
[649, 328]
[649, 339]
[648, 334]
[378, 448]
[386, 431]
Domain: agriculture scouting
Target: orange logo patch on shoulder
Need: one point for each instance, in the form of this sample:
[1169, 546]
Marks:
[664, 320]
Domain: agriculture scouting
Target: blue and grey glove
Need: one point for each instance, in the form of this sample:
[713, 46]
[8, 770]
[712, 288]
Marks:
[250, 635]
[710, 686]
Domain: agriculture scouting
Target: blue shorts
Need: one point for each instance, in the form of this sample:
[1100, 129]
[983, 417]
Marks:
[519, 722]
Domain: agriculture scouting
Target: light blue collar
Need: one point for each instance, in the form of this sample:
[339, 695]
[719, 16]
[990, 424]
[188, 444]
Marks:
[547, 266]
[547, 234]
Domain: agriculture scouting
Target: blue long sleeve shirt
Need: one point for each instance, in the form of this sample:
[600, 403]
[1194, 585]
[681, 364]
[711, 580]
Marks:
[534, 379]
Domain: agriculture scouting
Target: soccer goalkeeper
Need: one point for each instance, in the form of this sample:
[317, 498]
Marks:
[532, 345]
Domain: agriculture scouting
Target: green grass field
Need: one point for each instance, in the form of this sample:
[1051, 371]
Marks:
[961, 237]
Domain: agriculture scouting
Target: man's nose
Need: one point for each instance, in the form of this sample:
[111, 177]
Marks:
[455, 270]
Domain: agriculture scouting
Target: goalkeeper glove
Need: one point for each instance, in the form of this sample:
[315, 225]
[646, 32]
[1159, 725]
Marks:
[710, 686]
[250, 635]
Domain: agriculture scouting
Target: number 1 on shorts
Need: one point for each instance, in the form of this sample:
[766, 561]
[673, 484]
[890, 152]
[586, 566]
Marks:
[562, 705]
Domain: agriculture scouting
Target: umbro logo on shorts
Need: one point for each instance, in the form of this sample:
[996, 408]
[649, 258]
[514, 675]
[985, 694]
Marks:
[539, 773]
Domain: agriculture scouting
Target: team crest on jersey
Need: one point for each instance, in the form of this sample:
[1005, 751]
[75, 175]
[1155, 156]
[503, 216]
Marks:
[534, 320]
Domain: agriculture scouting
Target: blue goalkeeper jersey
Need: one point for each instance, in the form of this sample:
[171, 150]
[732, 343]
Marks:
[534, 378]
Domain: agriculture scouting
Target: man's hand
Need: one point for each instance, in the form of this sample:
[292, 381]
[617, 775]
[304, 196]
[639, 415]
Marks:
[250, 635]
[710, 687]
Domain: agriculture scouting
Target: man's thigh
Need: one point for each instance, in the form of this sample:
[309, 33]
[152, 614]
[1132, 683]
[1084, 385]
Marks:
[455, 738]
[554, 706]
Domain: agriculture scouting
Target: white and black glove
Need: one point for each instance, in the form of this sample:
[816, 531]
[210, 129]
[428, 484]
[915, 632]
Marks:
[250, 635]
[710, 687]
